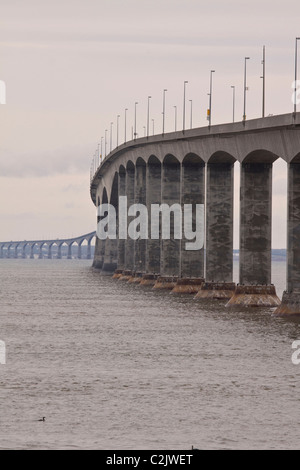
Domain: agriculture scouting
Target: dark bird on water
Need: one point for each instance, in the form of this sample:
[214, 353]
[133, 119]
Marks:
[42, 419]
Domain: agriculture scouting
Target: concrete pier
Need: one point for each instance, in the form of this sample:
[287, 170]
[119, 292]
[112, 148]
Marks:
[153, 185]
[140, 198]
[291, 298]
[170, 247]
[121, 241]
[255, 237]
[129, 188]
[192, 194]
[219, 229]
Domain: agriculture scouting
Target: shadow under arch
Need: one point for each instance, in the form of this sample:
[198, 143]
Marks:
[140, 162]
[191, 159]
[171, 160]
[296, 158]
[221, 157]
[114, 195]
[130, 166]
[260, 156]
[104, 196]
[153, 160]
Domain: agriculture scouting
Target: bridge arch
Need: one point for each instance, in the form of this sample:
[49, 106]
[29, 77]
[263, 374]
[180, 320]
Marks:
[221, 157]
[260, 156]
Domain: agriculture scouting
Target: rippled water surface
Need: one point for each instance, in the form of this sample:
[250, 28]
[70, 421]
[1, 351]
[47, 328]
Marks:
[118, 366]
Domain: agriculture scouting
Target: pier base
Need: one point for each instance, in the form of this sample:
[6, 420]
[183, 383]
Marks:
[188, 286]
[118, 273]
[136, 278]
[254, 296]
[216, 290]
[290, 304]
[149, 280]
[125, 276]
[165, 282]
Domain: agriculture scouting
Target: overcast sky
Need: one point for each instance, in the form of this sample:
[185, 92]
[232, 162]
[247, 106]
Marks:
[71, 66]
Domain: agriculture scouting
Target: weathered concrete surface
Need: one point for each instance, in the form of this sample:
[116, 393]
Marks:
[129, 243]
[216, 290]
[255, 287]
[126, 275]
[290, 304]
[99, 253]
[140, 198]
[188, 286]
[118, 273]
[165, 282]
[153, 184]
[110, 260]
[192, 192]
[136, 278]
[149, 280]
[254, 296]
[121, 242]
[255, 223]
[219, 222]
[170, 248]
[291, 297]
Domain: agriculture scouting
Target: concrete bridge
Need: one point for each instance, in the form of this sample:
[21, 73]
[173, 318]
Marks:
[12, 249]
[196, 166]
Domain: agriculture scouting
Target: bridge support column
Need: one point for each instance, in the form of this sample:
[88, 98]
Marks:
[69, 252]
[291, 297]
[153, 185]
[50, 252]
[255, 287]
[219, 232]
[140, 243]
[99, 253]
[31, 252]
[129, 243]
[170, 247]
[192, 194]
[59, 252]
[41, 252]
[89, 253]
[79, 251]
[16, 252]
[23, 251]
[1, 251]
[121, 242]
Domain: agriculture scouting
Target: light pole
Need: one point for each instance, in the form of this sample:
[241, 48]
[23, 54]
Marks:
[135, 104]
[210, 98]
[184, 86]
[164, 109]
[175, 117]
[245, 88]
[191, 119]
[295, 95]
[148, 115]
[118, 117]
[125, 125]
[101, 147]
[264, 80]
[233, 101]
[152, 126]
[98, 155]
[110, 147]
[105, 141]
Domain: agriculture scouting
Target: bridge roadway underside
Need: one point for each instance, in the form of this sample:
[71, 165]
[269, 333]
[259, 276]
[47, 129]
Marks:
[196, 168]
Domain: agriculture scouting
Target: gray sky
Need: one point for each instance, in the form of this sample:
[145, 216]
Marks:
[71, 66]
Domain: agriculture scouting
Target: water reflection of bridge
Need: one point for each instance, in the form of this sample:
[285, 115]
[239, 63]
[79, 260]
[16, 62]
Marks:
[13, 249]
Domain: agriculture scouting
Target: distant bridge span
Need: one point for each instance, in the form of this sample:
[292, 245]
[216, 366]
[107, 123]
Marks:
[11, 249]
